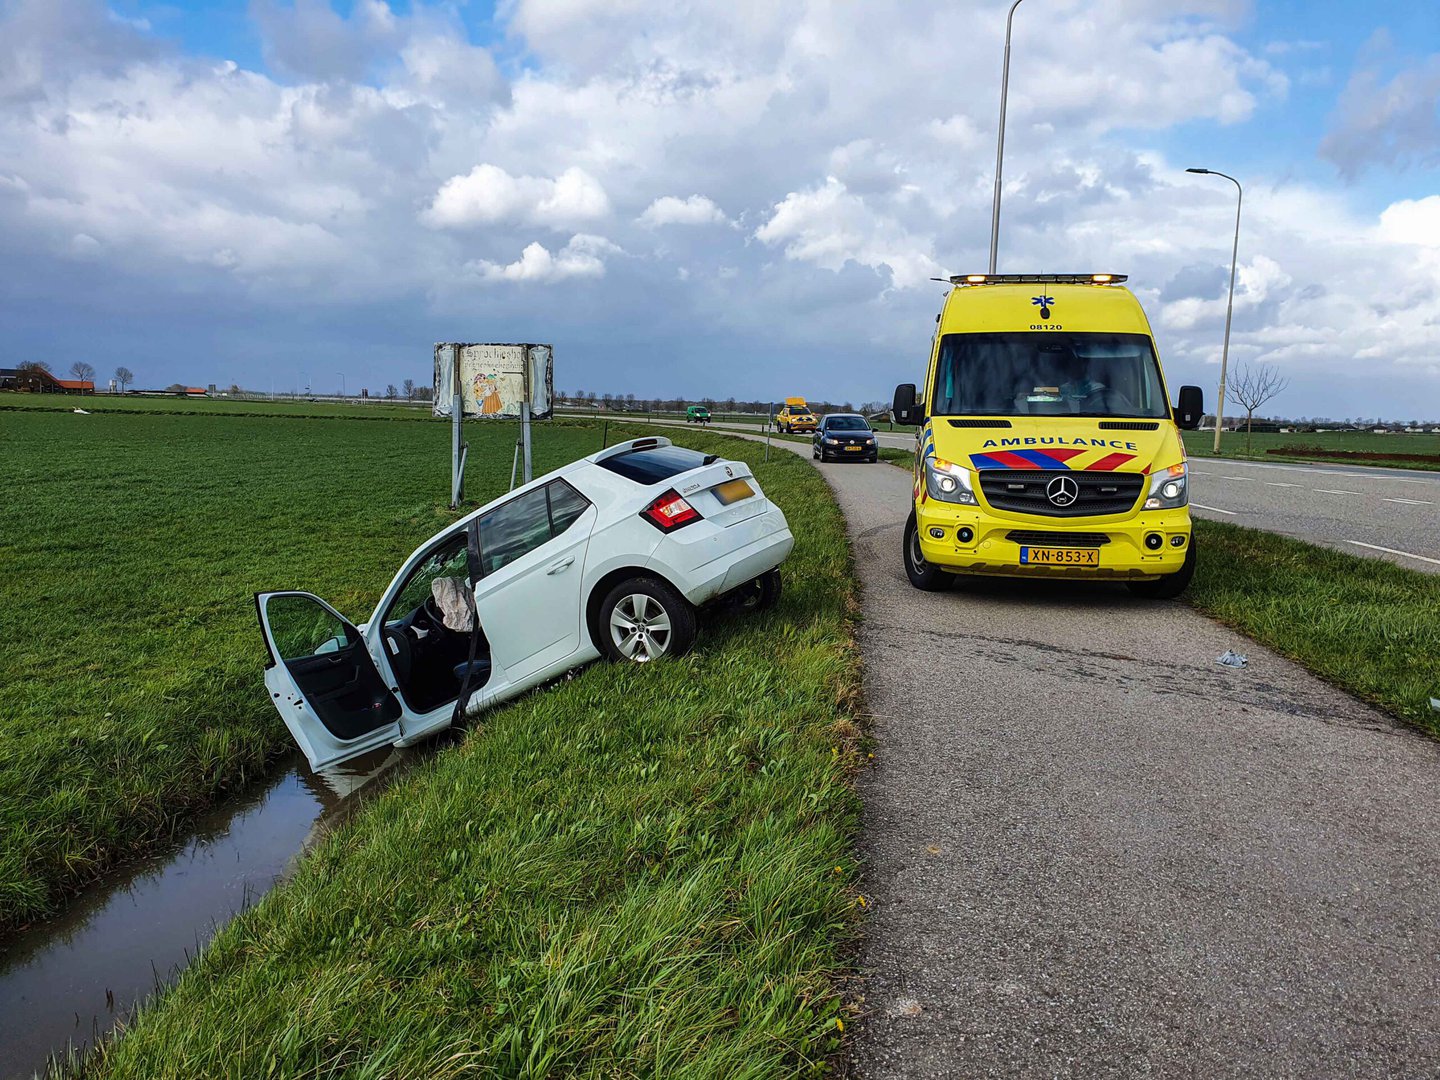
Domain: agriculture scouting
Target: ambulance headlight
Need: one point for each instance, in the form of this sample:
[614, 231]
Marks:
[948, 482]
[1168, 489]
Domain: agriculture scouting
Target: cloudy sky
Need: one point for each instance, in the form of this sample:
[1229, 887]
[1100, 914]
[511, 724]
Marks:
[737, 197]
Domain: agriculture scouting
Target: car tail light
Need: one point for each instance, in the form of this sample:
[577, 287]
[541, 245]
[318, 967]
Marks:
[670, 512]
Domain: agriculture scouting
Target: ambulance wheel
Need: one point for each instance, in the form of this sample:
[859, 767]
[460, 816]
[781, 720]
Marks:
[1171, 585]
[922, 575]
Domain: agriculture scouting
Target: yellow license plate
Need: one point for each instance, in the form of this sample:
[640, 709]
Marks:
[1033, 556]
[854, 449]
[733, 491]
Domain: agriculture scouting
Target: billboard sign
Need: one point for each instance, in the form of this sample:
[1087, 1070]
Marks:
[492, 379]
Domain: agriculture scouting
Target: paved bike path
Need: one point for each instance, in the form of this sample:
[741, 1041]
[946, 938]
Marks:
[1092, 851]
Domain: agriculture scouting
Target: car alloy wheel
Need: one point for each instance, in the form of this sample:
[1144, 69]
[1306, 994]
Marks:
[640, 628]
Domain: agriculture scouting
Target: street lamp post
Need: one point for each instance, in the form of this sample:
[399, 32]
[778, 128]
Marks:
[1230, 303]
[342, 383]
[1000, 142]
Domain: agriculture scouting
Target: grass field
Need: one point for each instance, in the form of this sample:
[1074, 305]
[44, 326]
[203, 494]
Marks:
[1201, 444]
[355, 409]
[130, 663]
[1367, 626]
[641, 871]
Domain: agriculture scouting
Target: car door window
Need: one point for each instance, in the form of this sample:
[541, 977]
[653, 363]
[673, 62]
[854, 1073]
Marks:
[566, 506]
[300, 628]
[514, 530]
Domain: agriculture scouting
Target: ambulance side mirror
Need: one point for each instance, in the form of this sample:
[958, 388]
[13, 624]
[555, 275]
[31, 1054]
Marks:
[903, 409]
[1190, 409]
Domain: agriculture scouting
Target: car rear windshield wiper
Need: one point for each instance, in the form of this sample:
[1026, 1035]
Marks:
[710, 459]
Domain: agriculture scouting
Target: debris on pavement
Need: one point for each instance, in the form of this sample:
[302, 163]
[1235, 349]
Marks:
[1233, 659]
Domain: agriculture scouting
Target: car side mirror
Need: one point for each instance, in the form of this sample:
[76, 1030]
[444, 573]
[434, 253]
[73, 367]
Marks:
[903, 409]
[1190, 409]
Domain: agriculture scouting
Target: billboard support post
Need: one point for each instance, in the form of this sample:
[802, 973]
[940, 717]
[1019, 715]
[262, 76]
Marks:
[458, 450]
[525, 414]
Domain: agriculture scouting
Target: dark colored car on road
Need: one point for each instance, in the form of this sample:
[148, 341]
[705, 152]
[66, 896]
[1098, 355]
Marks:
[844, 436]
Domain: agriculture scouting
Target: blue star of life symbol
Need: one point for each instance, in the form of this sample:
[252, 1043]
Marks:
[1043, 303]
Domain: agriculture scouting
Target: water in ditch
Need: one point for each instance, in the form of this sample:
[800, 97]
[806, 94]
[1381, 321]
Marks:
[64, 984]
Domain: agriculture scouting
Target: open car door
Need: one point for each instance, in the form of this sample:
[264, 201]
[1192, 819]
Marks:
[323, 680]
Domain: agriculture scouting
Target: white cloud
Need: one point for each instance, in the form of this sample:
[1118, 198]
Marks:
[580, 258]
[669, 210]
[829, 227]
[487, 194]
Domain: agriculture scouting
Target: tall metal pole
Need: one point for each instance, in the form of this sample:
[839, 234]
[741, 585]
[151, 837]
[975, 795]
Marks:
[1229, 304]
[342, 384]
[1000, 142]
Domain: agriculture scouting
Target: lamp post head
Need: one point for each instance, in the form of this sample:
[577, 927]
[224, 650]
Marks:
[1202, 172]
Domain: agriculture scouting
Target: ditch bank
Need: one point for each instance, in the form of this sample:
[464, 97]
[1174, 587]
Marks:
[68, 983]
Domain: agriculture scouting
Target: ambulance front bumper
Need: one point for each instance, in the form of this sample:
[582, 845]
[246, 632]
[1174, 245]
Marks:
[972, 540]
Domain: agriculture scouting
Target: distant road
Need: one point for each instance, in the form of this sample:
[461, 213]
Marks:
[1391, 514]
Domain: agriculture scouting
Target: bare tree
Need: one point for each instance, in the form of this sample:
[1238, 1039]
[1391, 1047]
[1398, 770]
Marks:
[1252, 387]
[390, 391]
[123, 377]
[409, 387]
[83, 371]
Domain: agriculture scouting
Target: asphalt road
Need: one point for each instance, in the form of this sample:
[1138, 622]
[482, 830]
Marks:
[1391, 514]
[1091, 851]
[1386, 513]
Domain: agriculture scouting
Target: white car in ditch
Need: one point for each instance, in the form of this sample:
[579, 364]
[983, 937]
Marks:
[610, 555]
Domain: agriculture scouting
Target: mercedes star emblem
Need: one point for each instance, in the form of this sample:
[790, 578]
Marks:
[1062, 491]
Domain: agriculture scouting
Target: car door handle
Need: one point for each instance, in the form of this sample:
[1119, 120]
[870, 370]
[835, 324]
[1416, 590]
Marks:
[563, 564]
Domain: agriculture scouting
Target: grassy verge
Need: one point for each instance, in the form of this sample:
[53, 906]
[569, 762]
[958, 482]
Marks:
[130, 692]
[1367, 626]
[641, 871]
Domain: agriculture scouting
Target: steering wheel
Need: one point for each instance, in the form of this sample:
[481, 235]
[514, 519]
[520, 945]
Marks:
[434, 617]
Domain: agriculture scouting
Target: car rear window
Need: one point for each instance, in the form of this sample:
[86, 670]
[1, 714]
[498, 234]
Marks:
[652, 466]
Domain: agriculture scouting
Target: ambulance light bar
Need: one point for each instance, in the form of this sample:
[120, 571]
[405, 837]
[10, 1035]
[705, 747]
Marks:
[1034, 279]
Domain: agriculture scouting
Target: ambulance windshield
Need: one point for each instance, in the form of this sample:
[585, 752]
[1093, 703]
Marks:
[1048, 374]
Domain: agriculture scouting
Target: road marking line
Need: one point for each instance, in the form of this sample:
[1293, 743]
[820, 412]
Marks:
[1214, 509]
[1249, 478]
[1337, 491]
[1272, 483]
[1379, 472]
[1410, 502]
[1392, 551]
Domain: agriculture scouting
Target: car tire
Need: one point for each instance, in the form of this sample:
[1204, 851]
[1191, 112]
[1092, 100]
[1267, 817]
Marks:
[1171, 585]
[922, 575]
[666, 619]
[759, 594]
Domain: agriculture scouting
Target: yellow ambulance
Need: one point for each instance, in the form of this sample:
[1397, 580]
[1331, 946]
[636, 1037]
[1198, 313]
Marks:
[1047, 445]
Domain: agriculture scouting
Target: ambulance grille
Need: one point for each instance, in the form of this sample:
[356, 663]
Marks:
[1022, 491]
[1037, 538]
[1128, 425]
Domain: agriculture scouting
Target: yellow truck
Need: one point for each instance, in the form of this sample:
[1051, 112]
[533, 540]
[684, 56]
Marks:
[1047, 445]
[795, 417]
